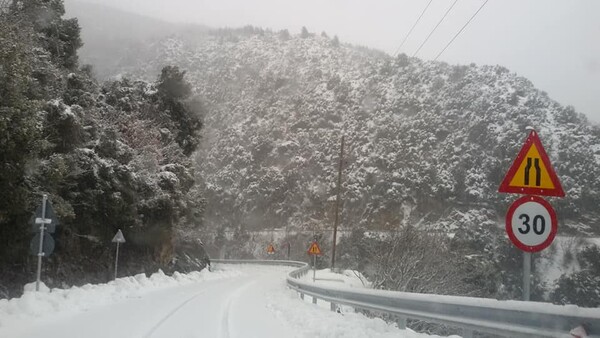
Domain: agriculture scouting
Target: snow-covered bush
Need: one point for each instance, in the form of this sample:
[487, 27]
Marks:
[581, 287]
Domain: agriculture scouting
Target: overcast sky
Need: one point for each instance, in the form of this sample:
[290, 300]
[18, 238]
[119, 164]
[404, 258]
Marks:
[556, 44]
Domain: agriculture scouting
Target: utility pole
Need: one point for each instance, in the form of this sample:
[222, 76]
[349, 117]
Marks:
[337, 204]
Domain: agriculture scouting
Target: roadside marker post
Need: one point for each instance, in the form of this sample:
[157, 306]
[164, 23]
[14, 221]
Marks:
[118, 238]
[531, 222]
[43, 223]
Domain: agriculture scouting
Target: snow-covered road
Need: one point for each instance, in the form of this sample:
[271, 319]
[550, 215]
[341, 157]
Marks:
[234, 301]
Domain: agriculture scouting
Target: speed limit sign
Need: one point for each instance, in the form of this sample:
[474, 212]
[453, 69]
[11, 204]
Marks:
[531, 223]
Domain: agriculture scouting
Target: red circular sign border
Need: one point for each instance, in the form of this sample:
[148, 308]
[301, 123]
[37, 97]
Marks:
[553, 221]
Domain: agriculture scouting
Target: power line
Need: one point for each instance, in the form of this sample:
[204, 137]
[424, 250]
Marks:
[413, 27]
[463, 27]
[436, 26]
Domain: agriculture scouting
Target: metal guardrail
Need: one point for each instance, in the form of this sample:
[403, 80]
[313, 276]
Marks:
[505, 318]
[264, 262]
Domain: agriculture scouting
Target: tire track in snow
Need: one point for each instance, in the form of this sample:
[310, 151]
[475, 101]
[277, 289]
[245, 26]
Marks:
[226, 324]
[171, 313]
[225, 320]
[176, 309]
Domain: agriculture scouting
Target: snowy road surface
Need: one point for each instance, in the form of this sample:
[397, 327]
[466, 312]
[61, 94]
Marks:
[234, 301]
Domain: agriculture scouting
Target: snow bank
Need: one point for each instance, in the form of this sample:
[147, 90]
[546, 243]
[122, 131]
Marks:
[316, 320]
[56, 302]
[31, 287]
[348, 278]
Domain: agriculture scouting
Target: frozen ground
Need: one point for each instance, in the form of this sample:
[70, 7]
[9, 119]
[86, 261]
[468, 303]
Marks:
[231, 301]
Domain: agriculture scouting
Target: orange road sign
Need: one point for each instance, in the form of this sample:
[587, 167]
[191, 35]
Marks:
[314, 249]
[270, 249]
[532, 173]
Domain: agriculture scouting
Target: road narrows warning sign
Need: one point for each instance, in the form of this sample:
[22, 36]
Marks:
[532, 173]
[314, 249]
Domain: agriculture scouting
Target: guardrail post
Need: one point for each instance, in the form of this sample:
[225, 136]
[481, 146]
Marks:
[401, 321]
[467, 333]
[314, 300]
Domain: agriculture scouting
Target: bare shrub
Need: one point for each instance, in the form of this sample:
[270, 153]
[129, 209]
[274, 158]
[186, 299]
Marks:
[414, 261]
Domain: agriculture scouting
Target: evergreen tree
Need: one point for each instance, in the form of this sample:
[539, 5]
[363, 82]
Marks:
[284, 34]
[173, 90]
[335, 42]
[171, 84]
[304, 33]
[581, 287]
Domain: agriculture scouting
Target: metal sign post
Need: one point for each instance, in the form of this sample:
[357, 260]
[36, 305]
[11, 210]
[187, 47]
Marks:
[314, 268]
[119, 238]
[526, 275]
[117, 260]
[42, 223]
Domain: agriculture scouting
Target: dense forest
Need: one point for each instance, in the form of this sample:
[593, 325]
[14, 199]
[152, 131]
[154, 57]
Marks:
[110, 156]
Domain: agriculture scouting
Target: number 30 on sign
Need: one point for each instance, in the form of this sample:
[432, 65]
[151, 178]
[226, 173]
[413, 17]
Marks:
[531, 223]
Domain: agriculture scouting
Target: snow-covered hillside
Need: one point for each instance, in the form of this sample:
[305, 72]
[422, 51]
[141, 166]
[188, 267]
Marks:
[426, 141]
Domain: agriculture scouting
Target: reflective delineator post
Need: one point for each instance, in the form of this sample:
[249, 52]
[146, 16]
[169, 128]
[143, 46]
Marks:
[41, 248]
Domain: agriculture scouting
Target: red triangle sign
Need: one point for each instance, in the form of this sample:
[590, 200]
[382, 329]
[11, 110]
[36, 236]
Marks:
[532, 173]
[314, 249]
